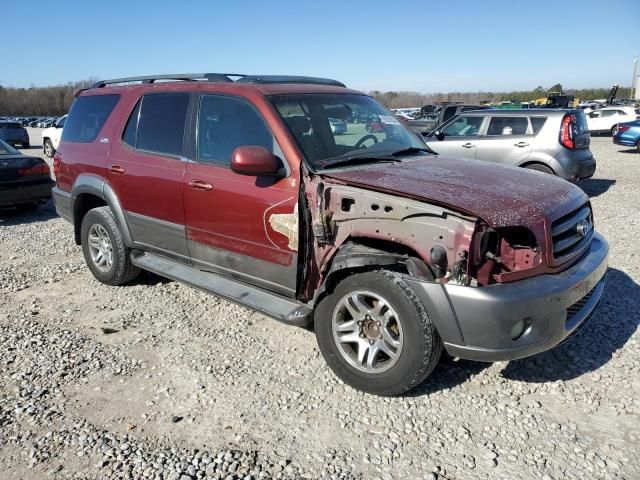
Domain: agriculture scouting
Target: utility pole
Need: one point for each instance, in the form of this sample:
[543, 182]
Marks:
[635, 78]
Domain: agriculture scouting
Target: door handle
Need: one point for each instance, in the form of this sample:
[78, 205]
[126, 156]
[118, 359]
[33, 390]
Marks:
[200, 185]
[116, 169]
[521, 144]
[468, 145]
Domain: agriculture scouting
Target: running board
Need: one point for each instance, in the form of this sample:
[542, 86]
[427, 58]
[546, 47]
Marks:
[284, 309]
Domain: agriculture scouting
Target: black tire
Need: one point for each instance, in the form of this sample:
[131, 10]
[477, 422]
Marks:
[539, 167]
[638, 146]
[613, 130]
[122, 269]
[47, 146]
[421, 349]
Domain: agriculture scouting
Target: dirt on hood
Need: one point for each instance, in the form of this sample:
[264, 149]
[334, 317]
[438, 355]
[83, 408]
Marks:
[500, 195]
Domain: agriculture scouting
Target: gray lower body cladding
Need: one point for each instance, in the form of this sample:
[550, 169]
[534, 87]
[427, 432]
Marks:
[519, 319]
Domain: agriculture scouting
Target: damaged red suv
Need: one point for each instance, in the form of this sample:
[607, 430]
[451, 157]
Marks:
[237, 185]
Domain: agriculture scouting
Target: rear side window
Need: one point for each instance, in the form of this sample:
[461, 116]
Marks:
[508, 126]
[157, 123]
[12, 126]
[537, 123]
[87, 117]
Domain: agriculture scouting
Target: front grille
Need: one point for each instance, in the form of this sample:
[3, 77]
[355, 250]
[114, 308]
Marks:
[576, 307]
[572, 233]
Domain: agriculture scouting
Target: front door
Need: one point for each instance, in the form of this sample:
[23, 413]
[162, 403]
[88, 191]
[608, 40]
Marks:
[146, 170]
[244, 227]
[459, 138]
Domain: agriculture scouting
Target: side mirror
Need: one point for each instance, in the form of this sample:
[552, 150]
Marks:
[254, 161]
[438, 134]
[507, 131]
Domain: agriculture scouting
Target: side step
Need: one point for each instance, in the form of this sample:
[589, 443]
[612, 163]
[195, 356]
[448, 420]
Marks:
[284, 309]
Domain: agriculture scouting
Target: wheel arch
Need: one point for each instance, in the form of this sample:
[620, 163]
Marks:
[90, 191]
[359, 254]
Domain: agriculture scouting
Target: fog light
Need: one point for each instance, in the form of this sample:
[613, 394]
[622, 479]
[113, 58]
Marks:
[521, 328]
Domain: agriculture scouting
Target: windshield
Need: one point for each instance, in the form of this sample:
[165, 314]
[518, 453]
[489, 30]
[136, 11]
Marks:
[6, 149]
[331, 126]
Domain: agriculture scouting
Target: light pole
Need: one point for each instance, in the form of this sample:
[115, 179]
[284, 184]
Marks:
[634, 79]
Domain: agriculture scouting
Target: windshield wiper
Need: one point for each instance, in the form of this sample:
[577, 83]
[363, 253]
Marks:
[360, 159]
[412, 150]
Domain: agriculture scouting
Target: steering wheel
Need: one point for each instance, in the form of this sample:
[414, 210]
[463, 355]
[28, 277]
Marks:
[360, 142]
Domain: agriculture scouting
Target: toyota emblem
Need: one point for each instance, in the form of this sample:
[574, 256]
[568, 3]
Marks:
[583, 228]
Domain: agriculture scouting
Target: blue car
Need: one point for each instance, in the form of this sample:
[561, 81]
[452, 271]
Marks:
[628, 134]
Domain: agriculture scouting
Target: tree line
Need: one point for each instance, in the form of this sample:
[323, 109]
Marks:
[414, 99]
[56, 100]
[39, 101]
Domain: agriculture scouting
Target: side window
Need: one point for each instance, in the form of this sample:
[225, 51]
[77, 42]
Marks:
[226, 123]
[448, 113]
[87, 116]
[463, 127]
[161, 122]
[537, 123]
[508, 126]
[621, 112]
[131, 130]
[608, 113]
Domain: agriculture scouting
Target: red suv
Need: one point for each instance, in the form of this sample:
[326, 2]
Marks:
[239, 186]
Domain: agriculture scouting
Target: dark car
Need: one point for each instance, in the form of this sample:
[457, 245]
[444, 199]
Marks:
[13, 133]
[240, 188]
[628, 134]
[25, 181]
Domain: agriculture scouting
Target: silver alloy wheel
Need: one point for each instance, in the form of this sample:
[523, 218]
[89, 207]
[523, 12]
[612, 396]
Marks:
[100, 247]
[367, 331]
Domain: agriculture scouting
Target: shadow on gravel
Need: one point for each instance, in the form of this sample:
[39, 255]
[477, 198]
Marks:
[448, 374]
[148, 279]
[607, 332]
[629, 150]
[596, 186]
[13, 216]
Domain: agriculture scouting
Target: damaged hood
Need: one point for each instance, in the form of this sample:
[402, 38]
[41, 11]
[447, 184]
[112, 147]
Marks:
[500, 195]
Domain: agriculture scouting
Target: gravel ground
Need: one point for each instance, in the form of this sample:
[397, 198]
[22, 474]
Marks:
[157, 380]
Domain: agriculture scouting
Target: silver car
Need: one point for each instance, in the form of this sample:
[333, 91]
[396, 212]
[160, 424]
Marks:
[547, 140]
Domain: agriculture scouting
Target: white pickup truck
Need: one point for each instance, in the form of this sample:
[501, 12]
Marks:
[51, 137]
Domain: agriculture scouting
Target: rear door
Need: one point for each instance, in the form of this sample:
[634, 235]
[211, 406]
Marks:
[458, 138]
[232, 219]
[506, 140]
[146, 170]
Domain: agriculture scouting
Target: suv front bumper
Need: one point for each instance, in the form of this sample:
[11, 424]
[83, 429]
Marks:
[514, 320]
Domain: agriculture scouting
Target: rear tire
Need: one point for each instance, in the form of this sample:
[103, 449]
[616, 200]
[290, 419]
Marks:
[613, 130]
[104, 250]
[387, 316]
[538, 167]
[47, 146]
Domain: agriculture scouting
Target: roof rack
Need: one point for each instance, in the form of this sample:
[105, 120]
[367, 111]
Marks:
[221, 77]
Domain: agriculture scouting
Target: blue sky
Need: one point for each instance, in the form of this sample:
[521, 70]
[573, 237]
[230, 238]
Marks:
[385, 45]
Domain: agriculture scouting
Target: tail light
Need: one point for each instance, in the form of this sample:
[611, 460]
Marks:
[622, 128]
[57, 159]
[36, 170]
[566, 133]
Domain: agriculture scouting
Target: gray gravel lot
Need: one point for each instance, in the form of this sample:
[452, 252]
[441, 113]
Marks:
[157, 380]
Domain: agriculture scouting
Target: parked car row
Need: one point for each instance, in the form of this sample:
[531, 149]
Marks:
[39, 122]
[245, 189]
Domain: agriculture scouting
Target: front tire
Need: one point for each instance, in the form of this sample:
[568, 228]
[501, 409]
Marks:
[47, 146]
[376, 335]
[104, 250]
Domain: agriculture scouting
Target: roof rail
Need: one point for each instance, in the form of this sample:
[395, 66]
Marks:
[288, 79]
[209, 77]
[221, 77]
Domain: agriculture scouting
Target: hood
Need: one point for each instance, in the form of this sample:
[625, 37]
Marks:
[501, 196]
